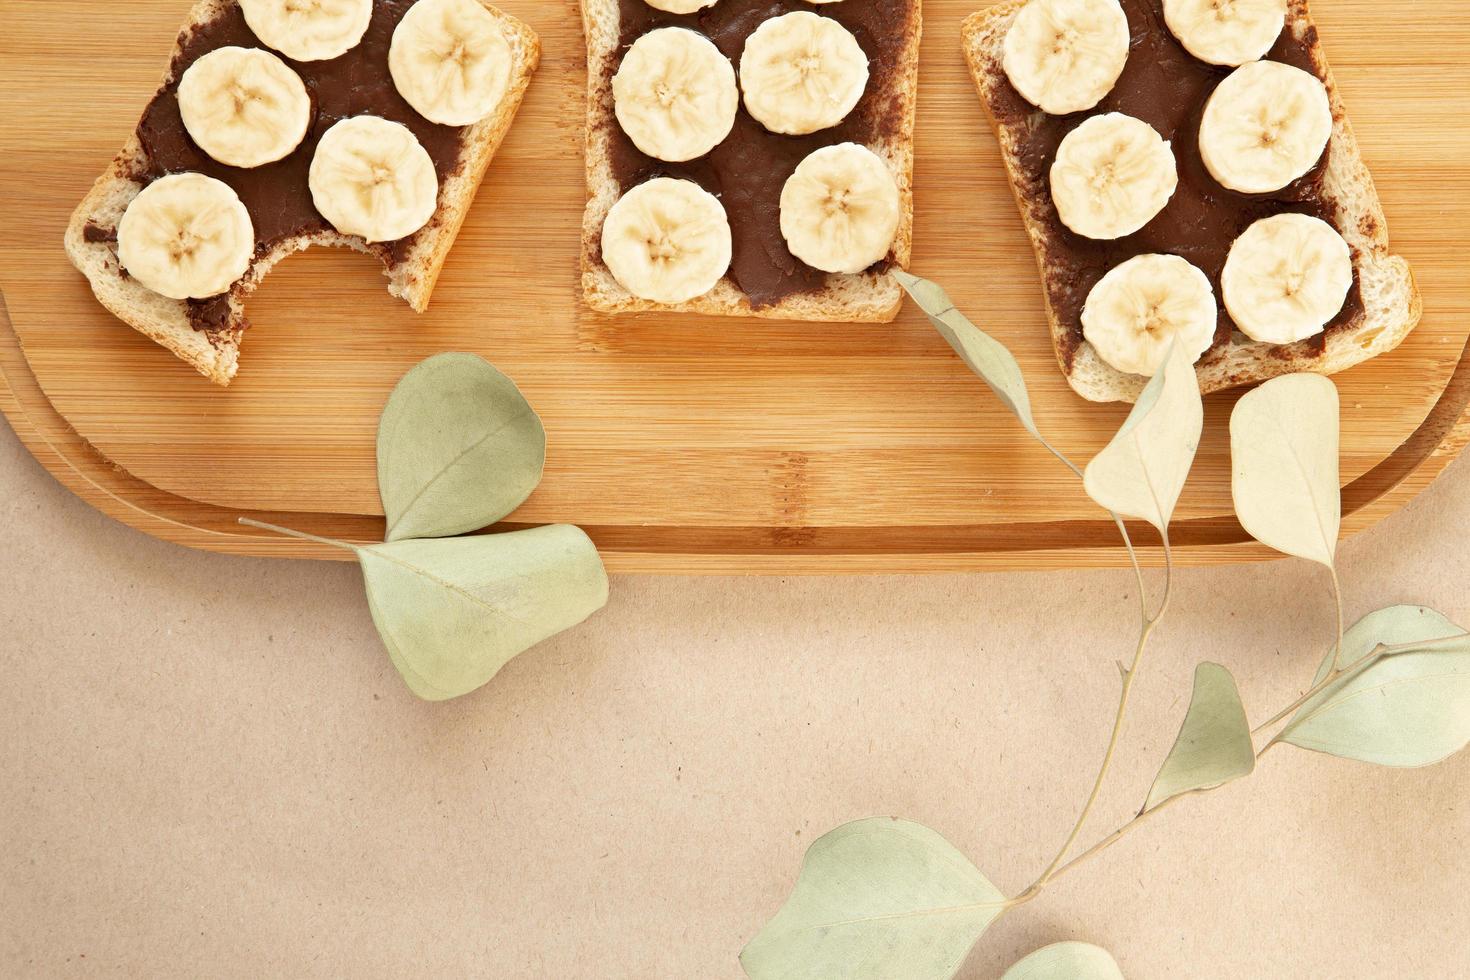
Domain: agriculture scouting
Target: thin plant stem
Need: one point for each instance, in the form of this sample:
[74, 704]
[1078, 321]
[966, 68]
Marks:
[1149, 624]
[299, 535]
[1122, 531]
[1337, 597]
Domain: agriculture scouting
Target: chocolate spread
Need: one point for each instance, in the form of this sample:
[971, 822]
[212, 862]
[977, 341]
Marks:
[277, 195]
[1166, 87]
[748, 170]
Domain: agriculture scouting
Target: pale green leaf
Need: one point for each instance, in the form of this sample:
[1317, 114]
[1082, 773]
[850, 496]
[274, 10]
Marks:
[876, 898]
[1143, 470]
[1409, 709]
[1066, 961]
[1284, 445]
[459, 448]
[984, 355]
[453, 612]
[1214, 745]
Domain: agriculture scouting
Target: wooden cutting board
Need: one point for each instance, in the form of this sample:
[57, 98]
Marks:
[680, 442]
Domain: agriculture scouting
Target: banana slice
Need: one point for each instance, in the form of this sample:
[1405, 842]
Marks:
[1112, 175]
[840, 209]
[686, 6]
[1066, 55]
[675, 94]
[1226, 32]
[244, 106]
[1286, 278]
[1265, 126]
[1148, 302]
[308, 30]
[186, 236]
[372, 178]
[450, 60]
[801, 72]
[667, 240]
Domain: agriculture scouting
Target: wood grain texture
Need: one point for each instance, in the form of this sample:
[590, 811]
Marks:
[687, 443]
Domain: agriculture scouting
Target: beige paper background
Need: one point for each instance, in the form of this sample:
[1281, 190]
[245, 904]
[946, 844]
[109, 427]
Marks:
[208, 767]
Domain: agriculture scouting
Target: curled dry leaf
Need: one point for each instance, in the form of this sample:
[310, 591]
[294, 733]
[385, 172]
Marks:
[1066, 961]
[453, 612]
[1405, 710]
[1143, 470]
[459, 448]
[1284, 439]
[982, 353]
[876, 898]
[1214, 745]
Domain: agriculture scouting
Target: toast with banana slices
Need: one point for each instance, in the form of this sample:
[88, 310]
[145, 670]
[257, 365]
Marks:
[696, 209]
[1224, 228]
[197, 163]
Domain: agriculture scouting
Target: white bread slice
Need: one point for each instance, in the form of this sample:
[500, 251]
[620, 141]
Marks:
[1392, 305]
[215, 354]
[866, 297]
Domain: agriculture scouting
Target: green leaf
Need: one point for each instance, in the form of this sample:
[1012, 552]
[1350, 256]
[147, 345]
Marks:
[1214, 745]
[452, 613]
[984, 355]
[1284, 443]
[459, 448]
[876, 898]
[1066, 961]
[1405, 710]
[1143, 470]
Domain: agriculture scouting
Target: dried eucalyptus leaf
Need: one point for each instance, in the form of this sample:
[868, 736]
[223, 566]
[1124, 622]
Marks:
[453, 612]
[459, 448]
[1066, 961]
[984, 355]
[1143, 470]
[876, 898]
[1284, 444]
[1214, 745]
[1406, 710]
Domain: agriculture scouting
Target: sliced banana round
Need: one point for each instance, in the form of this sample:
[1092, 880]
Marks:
[675, 94]
[1112, 175]
[687, 6]
[840, 210]
[372, 178]
[308, 30]
[801, 73]
[244, 106]
[1226, 32]
[450, 60]
[1138, 309]
[667, 240]
[186, 236]
[1266, 125]
[1286, 278]
[1066, 55]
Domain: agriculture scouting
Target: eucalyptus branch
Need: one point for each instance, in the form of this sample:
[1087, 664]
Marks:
[1293, 421]
[1149, 624]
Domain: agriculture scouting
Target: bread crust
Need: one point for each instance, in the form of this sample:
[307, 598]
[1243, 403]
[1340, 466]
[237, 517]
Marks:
[1392, 304]
[215, 354]
[865, 297]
